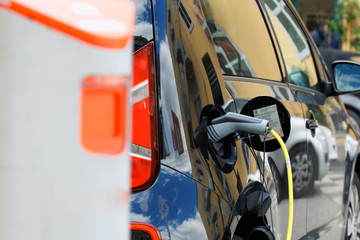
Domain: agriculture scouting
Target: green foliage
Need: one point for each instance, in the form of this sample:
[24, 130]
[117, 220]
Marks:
[347, 10]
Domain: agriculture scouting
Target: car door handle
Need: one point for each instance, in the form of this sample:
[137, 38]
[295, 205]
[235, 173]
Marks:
[312, 124]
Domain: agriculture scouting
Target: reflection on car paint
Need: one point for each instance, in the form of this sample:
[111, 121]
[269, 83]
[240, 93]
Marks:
[202, 60]
[143, 30]
[167, 206]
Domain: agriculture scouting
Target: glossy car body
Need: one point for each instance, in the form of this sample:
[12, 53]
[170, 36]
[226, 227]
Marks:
[211, 53]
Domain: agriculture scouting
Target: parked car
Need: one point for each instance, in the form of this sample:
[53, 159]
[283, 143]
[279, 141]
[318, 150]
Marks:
[195, 60]
[309, 163]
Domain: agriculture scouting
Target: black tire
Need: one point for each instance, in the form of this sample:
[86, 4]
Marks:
[353, 220]
[303, 169]
[355, 119]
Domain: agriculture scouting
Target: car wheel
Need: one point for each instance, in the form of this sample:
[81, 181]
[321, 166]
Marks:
[353, 224]
[302, 165]
[355, 119]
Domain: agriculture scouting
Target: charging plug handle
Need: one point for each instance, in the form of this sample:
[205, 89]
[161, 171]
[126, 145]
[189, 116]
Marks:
[228, 123]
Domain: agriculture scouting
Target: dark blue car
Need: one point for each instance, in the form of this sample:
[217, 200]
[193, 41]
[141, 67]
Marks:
[197, 60]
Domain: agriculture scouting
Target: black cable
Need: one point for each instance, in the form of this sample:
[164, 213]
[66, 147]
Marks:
[263, 177]
[262, 174]
[253, 151]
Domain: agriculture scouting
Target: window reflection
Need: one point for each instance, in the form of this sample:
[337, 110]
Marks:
[297, 54]
[143, 30]
[240, 36]
[193, 86]
[213, 79]
[232, 60]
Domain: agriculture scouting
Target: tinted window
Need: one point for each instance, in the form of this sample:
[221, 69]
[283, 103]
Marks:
[241, 39]
[294, 46]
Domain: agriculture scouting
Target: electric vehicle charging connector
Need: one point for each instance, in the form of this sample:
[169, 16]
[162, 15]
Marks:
[229, 123]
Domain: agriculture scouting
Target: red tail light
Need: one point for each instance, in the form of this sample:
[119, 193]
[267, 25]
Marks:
[144, 156]
[144, 231]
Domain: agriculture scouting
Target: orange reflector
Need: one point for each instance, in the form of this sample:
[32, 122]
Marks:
[149, 229]
[107, 23]
[103, 114]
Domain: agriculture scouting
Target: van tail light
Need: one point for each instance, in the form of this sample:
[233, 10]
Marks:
[144, 146]
[144, 231]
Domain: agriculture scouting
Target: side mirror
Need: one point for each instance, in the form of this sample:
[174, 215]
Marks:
[346, 76]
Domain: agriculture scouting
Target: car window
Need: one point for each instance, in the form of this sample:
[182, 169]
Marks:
[294, 46]
[241, 39]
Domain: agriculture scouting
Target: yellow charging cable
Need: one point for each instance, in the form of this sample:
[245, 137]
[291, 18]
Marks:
[290, 184]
